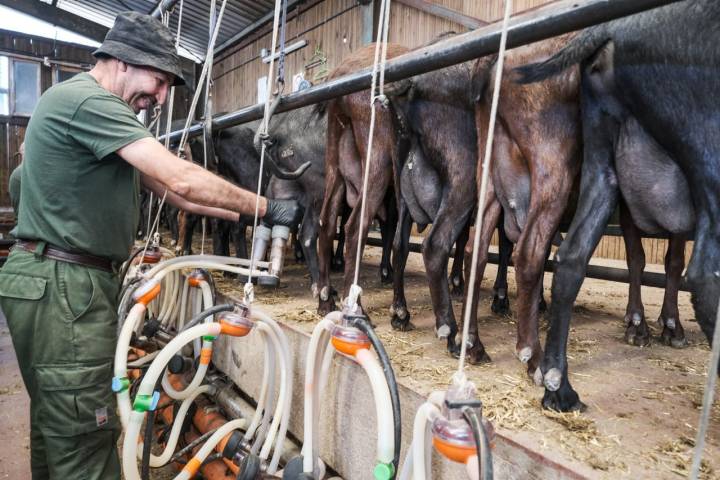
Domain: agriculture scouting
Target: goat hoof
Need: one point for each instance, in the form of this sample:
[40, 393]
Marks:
[563, 400]
[476, 355]
[525, 354]
[401, 325]
[386, 276]
[500, 304]
[675, 337]
[457, 287]
[637, 335]
[553, 379]
[443, 332]
[538, 377]
[314, 290]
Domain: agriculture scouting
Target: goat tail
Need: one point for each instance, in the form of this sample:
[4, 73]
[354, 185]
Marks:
[578, 49]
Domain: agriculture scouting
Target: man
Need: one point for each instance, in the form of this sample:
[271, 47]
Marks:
[86, 154]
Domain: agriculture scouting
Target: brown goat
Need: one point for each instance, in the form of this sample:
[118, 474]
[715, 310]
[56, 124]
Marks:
[537, 155]
[347, 140]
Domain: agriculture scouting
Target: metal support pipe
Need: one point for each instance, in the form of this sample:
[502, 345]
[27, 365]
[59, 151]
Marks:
[621, 275]
[555, 19]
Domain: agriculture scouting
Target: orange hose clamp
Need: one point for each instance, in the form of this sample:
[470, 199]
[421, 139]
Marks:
[236, 324]
[205, 356]
[196, 277]
[192, 466]
[147, 292]
[349, 340]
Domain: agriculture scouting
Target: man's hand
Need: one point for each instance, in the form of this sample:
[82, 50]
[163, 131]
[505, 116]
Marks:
[282, 212]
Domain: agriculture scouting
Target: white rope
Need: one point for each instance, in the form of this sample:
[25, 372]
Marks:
[248, 290]
[203, 74]
[207, 113]
[378, 67]
[151, 231]
[483, 186]
[707, 400]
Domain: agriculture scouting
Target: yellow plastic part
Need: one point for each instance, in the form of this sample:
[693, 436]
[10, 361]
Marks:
[149, 296]
[205, 356]
[456, 453]
[192, 466]
[349, 348]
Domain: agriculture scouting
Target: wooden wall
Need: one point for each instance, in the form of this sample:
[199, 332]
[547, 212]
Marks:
[332, 27]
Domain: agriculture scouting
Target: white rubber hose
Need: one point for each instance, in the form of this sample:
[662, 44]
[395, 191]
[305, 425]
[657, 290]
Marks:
[136, 314]
[383, 405]
[286, 352]
[160, 460]
[318, 342]
[130, 445]
[209, 446]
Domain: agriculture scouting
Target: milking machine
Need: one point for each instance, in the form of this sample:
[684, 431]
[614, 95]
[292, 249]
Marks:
[349, 333]
[267, 430]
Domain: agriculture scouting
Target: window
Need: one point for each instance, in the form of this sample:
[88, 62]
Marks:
[19, 86]
[62, 73]
[4, 87]
[26, 83]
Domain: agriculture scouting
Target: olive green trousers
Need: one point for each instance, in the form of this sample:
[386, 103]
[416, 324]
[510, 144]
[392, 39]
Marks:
[63, 322]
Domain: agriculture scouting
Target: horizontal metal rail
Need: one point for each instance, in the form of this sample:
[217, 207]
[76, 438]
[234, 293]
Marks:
[621, 275]
[555, 19]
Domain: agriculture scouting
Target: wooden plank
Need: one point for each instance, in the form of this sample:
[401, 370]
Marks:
[445, 13]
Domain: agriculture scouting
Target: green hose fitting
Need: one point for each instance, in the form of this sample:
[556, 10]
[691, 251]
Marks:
[144, 403]
[120, 384]
[209, 338]
[384, 471]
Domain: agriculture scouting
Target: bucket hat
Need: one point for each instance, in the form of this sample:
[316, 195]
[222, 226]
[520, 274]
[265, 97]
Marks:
[140, 39]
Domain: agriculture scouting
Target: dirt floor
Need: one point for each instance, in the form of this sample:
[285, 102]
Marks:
[643, 403]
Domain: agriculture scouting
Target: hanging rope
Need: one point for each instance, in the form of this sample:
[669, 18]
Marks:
[208, 109]
[483, 186]
[378, 67]
[157, 113]
[248, 290]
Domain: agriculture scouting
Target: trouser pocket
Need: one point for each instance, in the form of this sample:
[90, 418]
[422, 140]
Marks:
[75, 399]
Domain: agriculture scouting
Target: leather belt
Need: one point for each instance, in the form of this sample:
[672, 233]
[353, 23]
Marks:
[61, 255]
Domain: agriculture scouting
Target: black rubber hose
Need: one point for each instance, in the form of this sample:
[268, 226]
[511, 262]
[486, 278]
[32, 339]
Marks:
[225, 307]
[363, 324]
[482, 444]
[128, 262]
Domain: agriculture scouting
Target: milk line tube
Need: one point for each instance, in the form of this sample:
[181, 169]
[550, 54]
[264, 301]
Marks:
[328, 334]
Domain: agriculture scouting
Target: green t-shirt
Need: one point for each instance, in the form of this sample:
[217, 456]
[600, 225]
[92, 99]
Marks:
[14, 188]
[77, 193]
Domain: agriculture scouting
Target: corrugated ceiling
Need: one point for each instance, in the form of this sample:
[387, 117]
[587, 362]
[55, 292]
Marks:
[195, 22]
